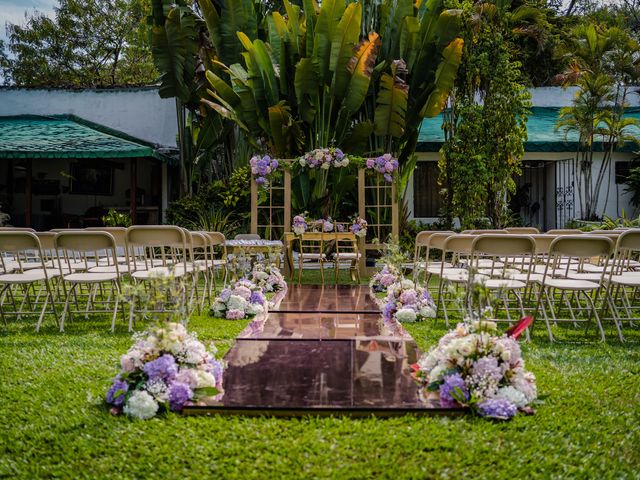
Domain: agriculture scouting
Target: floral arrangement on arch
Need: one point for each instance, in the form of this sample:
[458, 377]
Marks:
[472, 366]
[167, 368]
[407, 303]
[242, 300]
[358, 226]
[263, 169]
[385, 164]
[324, 159]
[383, 279]
[301, 224]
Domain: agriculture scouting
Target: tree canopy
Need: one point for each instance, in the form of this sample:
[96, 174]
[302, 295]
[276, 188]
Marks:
[87, 43]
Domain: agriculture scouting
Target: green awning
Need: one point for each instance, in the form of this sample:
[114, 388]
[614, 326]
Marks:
[541, 130]
[66, 136]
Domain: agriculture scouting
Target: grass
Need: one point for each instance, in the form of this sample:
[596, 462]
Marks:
[54, 424]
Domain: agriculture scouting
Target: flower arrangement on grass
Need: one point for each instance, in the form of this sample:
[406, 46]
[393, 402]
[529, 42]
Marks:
[359, 226]
[167, 368]
[385, 164]
[407, 303]
[324, 158]
[244, 299]
[387, 276]
[268, 278]
[263, 168]
[473, 366]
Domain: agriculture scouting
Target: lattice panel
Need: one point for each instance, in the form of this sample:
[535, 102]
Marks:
[271, 210]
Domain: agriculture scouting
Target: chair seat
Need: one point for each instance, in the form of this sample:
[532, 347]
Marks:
[532, 278]
[592, 277]
[108, 269]
[313, 256]
[51, 272]
[21, 278]
[218, 261]
[37, 265]
[347, 255]
[504, 283]
[570, 284]
[631, 279]
[447, 271]
[90, 277]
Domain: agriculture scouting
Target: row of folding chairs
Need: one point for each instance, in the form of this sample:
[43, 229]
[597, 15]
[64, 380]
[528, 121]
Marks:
[64, 269]
[558, 276]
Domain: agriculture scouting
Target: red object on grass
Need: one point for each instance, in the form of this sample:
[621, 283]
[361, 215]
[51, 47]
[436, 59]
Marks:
[516, 330]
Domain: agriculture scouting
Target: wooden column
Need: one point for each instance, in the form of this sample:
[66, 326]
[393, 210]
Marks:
[287, 201]
[362, 211]
[134, 191]
[254, 206]
[28, 194]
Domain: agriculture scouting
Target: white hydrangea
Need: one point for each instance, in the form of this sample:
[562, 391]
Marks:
[158, 389]
[204, 379]
[255, 309]
[193, 352]
[236, 302]
[525, 382]
[141, 405]
[427, 312]
[407, 284]
[512, 395]
[325, 166]
[406, 315]
[219, 309]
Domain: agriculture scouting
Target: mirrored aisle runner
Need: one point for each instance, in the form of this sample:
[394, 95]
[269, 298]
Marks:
[324, 350]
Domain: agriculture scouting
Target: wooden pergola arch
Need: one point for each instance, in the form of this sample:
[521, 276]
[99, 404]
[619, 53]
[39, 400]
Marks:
[272, 218]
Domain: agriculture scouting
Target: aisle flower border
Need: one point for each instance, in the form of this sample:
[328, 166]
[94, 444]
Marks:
[243, 299]
[472, 366]
[166, 369]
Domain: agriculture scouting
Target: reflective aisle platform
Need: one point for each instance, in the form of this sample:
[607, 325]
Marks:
[324, 351]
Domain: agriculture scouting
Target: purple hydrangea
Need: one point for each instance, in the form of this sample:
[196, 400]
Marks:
[217, 369]
[163, 367]
[497, 408]
[179, 395]
[257, 297]
[116, 394]
[388, 309]
[451, 389]
[487, 367]
[225, 294]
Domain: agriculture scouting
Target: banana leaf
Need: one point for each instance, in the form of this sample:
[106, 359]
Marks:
[344, 40]
[445, 77]
[361, 66]
[391, 109]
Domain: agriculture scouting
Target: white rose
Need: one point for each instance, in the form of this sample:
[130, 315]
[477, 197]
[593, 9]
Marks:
[303, 162]
[325, 166]
[141, 405]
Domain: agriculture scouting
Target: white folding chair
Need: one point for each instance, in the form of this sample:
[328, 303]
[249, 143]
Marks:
[578, 296]
[102, 289]
[32, 284]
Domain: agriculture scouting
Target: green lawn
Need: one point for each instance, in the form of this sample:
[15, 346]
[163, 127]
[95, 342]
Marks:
[54, 423]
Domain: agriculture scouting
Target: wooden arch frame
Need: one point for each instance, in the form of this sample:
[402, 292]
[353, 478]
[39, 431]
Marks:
[366, 191]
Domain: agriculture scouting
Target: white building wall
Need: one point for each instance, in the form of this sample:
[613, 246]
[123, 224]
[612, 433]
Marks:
[137, 112]
[617, 200]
